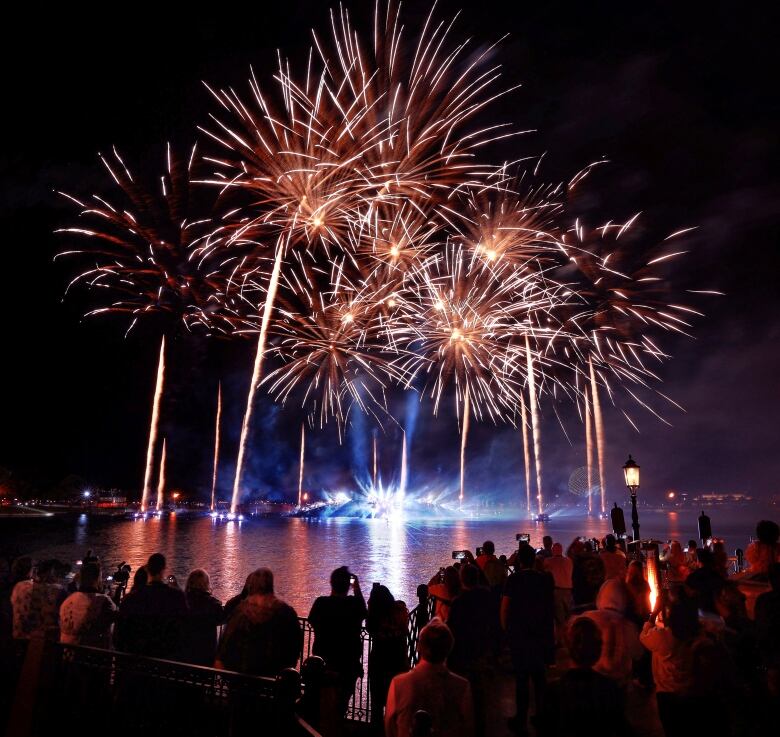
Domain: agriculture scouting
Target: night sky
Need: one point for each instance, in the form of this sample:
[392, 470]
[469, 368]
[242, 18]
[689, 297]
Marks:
[679, 97]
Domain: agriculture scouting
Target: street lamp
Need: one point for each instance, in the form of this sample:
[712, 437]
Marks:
[631, 472]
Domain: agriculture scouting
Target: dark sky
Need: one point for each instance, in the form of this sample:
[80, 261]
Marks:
[680, 97]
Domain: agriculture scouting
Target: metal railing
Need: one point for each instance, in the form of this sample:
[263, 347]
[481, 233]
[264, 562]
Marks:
[136, 695]
[359, 708]
[114, 683]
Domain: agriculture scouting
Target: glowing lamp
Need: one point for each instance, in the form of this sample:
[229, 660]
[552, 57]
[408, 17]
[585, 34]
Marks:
[631, 472]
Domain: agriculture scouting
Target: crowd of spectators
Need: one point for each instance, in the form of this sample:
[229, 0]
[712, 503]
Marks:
[585, 616]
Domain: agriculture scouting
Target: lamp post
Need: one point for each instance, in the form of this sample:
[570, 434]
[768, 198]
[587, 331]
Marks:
[631, 472]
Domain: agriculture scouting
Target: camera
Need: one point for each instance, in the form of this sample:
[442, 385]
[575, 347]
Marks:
[459, 554]
[352, 579]
[479, 551]
[523, 537]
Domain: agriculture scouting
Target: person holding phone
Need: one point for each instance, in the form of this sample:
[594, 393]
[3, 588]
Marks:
[494, 570]
[444, 591]
[337, 621]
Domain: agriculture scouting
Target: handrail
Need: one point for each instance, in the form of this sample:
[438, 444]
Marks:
[67, 679]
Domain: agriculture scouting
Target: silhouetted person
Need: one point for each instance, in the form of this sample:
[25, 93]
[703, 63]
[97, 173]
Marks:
[767, 617]
[546, 550]
[152, 619]
[387, 622]
[204, 615]
[705, 583]
[90, 557]
[432, 688]
[473, 622]
[691, 558]
[739, 633]
[614, 559]
[560, 568]
[721, 558]
[444, 588]
[638, 589]
[337, 621]
[672, 646]
[86, 616]
[493, 568]
[232, 604]
[527, 616]
[584, 702]
[10, 654]
[36, 604]
[587, 574]
[21, 570]
[765, 550]
[618, 633]
[121, 580]
[263, 636]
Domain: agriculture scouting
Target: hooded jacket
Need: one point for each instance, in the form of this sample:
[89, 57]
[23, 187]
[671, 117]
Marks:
[619, 635]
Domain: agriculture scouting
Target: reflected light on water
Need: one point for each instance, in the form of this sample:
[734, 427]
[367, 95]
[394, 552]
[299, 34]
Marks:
[303, 552]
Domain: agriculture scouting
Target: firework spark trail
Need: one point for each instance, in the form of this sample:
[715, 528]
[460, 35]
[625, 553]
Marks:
[161, 480]
[404, 473]
[599, 424]
[216, 448]
[257, 372]
[153, 428]
[526, 453]
[374, 478]
[534, 423]
[464, 435]
[300, 463]
[589, 448]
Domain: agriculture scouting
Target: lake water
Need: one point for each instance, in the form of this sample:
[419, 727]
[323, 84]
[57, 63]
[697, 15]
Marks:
[302, 552]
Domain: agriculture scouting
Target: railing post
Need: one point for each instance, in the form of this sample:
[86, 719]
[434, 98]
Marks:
[423, 616]
[320, 704]
[287, 692]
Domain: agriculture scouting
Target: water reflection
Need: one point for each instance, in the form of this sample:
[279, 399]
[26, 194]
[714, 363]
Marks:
[302, 553]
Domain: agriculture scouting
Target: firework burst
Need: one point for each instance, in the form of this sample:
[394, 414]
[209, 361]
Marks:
[347, 221]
